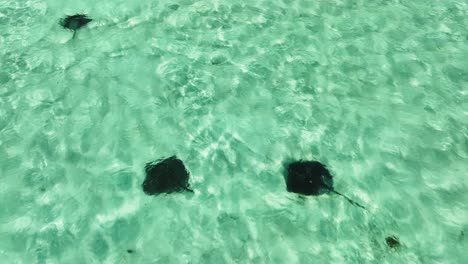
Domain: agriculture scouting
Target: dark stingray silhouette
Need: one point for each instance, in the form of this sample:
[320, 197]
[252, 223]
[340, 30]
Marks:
[166, 176]
[311, 178]
[392, 242]
[75, 22]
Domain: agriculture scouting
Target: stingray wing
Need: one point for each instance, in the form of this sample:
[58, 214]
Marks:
[75, 22]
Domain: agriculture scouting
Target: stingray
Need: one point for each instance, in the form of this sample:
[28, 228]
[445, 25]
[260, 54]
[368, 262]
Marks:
[392, 242]
[311, 178]
[75, 22]
[166, 176]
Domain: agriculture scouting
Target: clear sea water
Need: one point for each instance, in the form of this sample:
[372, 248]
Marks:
[376, 90]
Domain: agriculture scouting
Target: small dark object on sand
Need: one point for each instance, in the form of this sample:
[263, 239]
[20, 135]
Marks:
[166, 176]
[75, 22]
[392, 242]
[130, 251]
[311, 178]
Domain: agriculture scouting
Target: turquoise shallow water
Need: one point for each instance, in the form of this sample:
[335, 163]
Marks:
[377, 90]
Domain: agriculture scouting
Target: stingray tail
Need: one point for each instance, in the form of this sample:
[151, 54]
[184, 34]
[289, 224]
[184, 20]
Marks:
[349, 200]
[74, 34]
[188, 189]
